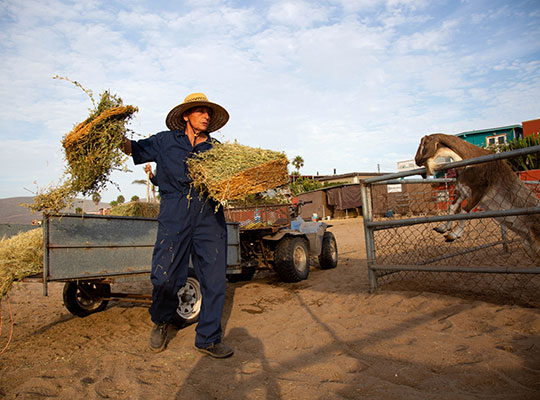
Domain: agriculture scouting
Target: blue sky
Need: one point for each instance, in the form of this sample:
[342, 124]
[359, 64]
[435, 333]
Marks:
[351, 85]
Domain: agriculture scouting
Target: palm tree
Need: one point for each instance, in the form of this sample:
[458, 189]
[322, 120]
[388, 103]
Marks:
[143, 182]
[149, 186]
[96, 198]
[298, 163]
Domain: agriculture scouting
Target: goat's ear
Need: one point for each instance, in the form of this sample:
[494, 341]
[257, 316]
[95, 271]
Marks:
[426, 139]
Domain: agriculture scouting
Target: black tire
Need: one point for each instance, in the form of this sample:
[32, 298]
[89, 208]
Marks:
[189, 301]
[83, 298]
[245, 275]
[329, 252]
[291, 259]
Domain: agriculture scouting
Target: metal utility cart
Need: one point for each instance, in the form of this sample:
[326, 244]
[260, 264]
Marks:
[89, 253]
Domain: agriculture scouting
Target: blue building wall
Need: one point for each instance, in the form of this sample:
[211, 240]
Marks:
[479, 138]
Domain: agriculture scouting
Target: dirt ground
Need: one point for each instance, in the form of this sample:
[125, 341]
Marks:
[323, 338]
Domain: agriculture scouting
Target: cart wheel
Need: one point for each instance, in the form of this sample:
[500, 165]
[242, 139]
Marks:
[84, 298]
[292, 259]
[189, 301]
[329, 254]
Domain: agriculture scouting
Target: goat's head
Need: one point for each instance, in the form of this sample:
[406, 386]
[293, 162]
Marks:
[430, 149]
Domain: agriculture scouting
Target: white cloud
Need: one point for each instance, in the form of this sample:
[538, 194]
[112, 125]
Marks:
[345, 84]
[432, 41]
[297, 13]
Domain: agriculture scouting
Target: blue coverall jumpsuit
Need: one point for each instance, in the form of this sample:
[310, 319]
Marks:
[188, 225]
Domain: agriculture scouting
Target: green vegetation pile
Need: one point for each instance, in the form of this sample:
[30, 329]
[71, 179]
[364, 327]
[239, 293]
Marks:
[92, 151]
[20, 256]
[231, 171]
[136, 209]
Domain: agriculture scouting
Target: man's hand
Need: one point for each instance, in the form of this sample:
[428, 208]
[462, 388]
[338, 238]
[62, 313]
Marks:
[148, 170]
[126, 146]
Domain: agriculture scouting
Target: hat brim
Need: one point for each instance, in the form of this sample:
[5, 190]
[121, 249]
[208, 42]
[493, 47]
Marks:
[174, 120]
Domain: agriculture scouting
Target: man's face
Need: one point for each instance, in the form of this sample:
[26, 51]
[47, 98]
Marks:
[199, 118]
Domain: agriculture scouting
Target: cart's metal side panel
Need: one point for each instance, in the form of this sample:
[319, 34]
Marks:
[233, 244]
[90, 246]
[45, 255]
[85, 247]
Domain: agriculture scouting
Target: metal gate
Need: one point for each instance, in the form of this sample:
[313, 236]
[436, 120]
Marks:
[404, 252]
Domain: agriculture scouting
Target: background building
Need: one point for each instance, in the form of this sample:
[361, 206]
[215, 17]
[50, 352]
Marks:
[531, 127]
[493, 136]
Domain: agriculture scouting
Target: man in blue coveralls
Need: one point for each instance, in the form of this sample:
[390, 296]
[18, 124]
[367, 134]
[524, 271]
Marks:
[188, 224]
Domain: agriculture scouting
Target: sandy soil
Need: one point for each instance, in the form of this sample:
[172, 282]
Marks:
[324, 338]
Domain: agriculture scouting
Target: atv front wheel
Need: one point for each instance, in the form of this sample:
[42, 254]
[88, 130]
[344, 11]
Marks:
[329, 254]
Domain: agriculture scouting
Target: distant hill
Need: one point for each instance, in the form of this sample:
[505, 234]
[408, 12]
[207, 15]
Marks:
[11, 212]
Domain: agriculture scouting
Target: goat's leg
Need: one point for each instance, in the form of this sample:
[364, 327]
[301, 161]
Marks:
[522, 226]
[444, 227]
[526, 226]
[472, 201]
[456, 233]
[453, 209]
[532, 248]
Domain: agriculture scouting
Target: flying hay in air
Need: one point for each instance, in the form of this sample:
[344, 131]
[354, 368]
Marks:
[92, 151]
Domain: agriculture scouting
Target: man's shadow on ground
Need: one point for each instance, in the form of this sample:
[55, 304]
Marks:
[236, 373]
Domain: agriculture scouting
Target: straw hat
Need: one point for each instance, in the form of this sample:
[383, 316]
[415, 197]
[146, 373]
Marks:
[174, 120]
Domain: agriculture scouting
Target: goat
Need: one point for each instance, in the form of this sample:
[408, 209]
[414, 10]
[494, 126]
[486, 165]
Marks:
[492, 186]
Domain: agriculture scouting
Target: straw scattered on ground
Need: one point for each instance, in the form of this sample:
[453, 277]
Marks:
[20, 256]
[231, 171]
[92, 151]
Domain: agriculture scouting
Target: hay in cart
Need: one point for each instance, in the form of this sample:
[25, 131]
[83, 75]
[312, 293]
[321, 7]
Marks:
[230, 171]
[136, 209]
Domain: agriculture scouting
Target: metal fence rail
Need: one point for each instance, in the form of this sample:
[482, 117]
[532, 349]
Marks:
[405, 252]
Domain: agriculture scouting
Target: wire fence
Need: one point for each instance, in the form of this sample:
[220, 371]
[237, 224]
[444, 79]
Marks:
[414, 241]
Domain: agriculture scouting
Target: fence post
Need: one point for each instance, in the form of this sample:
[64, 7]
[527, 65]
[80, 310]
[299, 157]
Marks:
[367, 214]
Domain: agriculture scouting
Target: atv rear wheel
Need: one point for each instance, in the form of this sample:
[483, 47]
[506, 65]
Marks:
[291, 259]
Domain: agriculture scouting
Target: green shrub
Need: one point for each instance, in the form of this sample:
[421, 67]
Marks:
[525, 162]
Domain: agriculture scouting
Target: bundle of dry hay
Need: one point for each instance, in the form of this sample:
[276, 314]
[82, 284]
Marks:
[92, 151]
[232, 171]
[136, 209]
[20, 256]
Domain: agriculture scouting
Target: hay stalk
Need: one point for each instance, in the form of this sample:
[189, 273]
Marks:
[92, 151]
[230, 171]
[20, 256]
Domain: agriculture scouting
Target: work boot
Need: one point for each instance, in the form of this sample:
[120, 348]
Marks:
[216, 350]
[158, 337]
